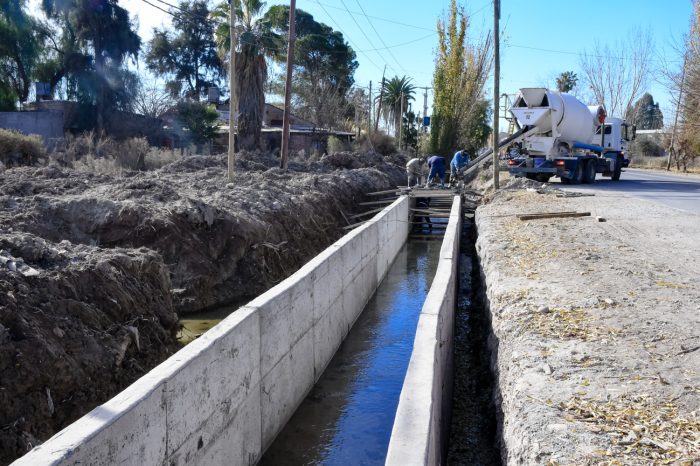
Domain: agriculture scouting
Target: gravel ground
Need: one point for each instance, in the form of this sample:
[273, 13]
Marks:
[596, 328]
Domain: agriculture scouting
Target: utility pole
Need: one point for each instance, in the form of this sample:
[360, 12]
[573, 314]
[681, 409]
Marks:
[672, 149]
[401, 124]
[369, 111]
[425, 108]
[288, 85]
[379, 104]
[233, 98]
[496, 96]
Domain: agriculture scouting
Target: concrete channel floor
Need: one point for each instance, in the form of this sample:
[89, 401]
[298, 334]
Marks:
[348, 416]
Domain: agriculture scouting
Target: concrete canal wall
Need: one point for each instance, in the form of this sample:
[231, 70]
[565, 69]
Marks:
[421, 424]
[223, 398]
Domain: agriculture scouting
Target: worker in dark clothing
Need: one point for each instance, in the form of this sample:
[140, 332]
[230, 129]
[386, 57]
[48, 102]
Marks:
[422, 218]
[437, 169]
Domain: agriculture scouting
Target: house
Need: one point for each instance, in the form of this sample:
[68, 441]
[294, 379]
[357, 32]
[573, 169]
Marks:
[51, 119]
[303, 134]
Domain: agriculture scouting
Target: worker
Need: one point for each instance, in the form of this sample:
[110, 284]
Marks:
[437, 168]
[460, 161]
[414, 168]
[422, 218]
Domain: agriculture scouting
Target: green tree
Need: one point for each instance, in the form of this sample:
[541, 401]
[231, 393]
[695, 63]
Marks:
[97, 37]
[645, 113]
[461, 71]
[21, 45]
[566, 81]
[324, 67]
[188, 54]
[409, 131]
[199, 119]
[396, 94]
[256, 41]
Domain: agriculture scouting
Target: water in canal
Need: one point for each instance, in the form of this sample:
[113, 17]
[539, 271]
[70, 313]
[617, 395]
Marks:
[348, 416]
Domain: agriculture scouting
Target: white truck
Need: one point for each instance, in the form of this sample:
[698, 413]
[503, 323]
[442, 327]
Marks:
[560, 136]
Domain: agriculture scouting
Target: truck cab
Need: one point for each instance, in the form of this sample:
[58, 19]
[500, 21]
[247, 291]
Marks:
[617, 137]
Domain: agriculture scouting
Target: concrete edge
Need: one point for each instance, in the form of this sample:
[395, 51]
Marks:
[420, 422]
[106, 434]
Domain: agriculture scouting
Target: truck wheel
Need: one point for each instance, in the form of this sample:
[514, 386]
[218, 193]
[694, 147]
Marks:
[589, 172]
[618, 169]
[577, 178]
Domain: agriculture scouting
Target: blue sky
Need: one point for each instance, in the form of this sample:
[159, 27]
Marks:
[542, 38]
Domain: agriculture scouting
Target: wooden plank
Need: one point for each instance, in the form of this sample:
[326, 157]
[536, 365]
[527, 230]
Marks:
[433, 195]
[373, 211]
[430, 211]
[553, 215]
[354, 225]
[426, 228]
[380, 193]
[382, 201]
[547, 213]
[426, 236]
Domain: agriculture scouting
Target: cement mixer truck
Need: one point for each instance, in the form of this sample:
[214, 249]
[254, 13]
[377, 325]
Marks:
[560, 136]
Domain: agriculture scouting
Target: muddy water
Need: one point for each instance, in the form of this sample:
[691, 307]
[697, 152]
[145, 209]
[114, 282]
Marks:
[195, 324]
[348, 416]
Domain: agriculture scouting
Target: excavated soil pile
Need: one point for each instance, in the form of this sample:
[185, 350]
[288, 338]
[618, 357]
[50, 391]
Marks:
[93, 268]
[77, 324]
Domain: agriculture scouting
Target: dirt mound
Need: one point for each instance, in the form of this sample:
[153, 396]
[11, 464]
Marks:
[77, 324]
[92, 267]
[222, 240]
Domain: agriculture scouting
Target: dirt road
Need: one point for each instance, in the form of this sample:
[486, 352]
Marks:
[596, 328]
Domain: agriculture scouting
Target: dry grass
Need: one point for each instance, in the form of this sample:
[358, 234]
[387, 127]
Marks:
[378, 142]
[19, 149]
[104, 155]
[641, 429]
[659, 163]
[568, 324]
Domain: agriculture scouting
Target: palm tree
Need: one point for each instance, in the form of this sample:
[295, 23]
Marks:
[256, 41]
[566, 81]
[393, 92]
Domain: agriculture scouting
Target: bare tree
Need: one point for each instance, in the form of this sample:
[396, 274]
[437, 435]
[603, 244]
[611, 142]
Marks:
[618, 74]
[680, 74]
[152, 100]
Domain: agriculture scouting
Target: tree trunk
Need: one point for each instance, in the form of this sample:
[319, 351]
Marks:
[251, 71]
[99, 68]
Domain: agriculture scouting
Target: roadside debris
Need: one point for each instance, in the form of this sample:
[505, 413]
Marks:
[544, 215]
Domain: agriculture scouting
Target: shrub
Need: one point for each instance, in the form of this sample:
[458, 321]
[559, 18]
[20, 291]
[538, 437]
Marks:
[378, 142]
[199, 119]
[19, 149]
[336, 145]
[104, 155]
[646, 148]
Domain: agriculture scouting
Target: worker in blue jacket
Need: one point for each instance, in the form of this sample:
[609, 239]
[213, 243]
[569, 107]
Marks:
[460, 161]
[437, 168]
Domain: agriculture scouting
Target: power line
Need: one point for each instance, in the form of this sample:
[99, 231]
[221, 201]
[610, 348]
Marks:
[380, 37]
[377, 17]
[348, 37]
[364, 34]
[566, 52]
[218, 23]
